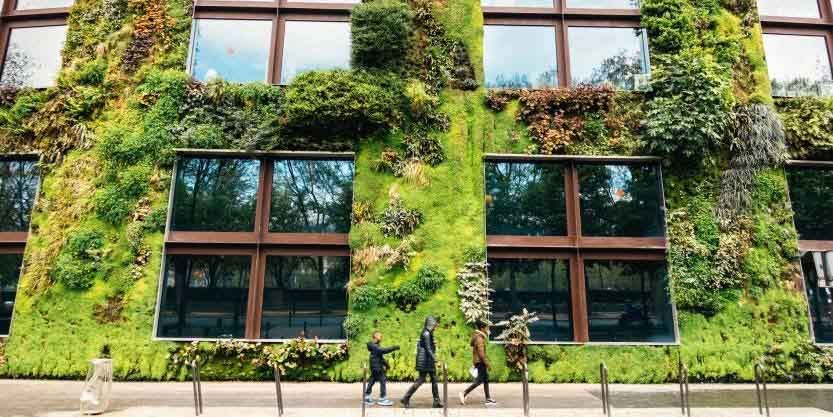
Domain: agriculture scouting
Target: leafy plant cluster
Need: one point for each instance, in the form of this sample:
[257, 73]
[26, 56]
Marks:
[398, 220]
[80, 261]
[808, 124]
[474, 291]
[517, 337]
[428, 280]
[381, 35]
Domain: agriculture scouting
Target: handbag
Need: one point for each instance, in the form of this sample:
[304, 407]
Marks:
[473, 372]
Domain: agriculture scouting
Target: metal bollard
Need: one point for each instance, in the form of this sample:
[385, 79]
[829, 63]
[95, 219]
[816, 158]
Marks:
[445, 390]
[195, 379]
[760, 379]
[278, 390]
[685, 401]
[364, 389]
[525, 385]
[603, 374]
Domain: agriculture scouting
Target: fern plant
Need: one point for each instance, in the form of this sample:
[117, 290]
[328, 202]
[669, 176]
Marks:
[517, 337]
[474, 291]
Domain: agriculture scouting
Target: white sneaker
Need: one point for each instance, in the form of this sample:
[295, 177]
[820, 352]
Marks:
[462, 397]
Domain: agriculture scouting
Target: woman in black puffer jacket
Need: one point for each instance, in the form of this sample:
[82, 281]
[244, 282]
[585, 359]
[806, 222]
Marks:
[426, 363]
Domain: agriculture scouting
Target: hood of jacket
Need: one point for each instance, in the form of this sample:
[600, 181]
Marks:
[430, 323]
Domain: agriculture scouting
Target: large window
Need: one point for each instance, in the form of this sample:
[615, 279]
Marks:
[32, 34]
[256, 247]
[544, 43]
[797, 43]
[19, 181]
[581, 241]
[811, 194]
[274, 40]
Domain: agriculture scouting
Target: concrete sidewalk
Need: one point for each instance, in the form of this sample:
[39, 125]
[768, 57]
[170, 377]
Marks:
[26, 398]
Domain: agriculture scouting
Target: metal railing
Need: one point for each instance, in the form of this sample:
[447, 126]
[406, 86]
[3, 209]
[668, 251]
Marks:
[195, 380]
[278, 390]
[685, 398]
[364, 389]
[603, 375]
[525, 386]
[445, 389]
[760, 379]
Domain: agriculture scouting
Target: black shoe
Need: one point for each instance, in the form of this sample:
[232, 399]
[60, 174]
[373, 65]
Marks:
[405, 403]
[438, 404]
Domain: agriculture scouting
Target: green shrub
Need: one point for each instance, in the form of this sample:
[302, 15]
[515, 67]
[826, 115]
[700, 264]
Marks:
[117, 200]
[367, 297]
[429, 280]
[398, 220]
[80, 259]
[808, 123]
[381, 34]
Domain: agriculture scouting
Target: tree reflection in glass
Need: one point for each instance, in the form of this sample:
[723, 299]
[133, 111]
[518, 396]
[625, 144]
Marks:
[818, 280]
[41, 4]
[811, 192]
[621, 200]
[311, 196]
[789, 8]
[519, 56]
[540, 286]
[217, 195]
[204, 296]
[314, 46]
[18, 187]
[9, 275]
[525, 199]
[613, 56]
[603, 4]
[798, 65]
[33, 56]
[628, 301]
[241, 57]
[305, 295]
[517, 3]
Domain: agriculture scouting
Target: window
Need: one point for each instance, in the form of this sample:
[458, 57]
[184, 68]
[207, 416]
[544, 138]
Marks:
[797, 43]
[19, 180]
[543, 43]
[581, 241]
[274, 42]
[811, 194]
[256, 246]
[32, 36]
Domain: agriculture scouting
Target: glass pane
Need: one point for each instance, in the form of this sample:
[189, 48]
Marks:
[628, 301]
[42, 4]
[241, 58]
[33, 57]
[789, 8]
[517, 3]
[314, 46]
[305, 296]
[525, 199]
[818, 279]
[798, 65]
[603, 4]
[540, 286]
[18, 186]
[311, 196]
[325, 1]
[811, 192]
[621, 200]
[612, 56]
[519, 56]
[9, 275]
[204, 296]
[217, 195]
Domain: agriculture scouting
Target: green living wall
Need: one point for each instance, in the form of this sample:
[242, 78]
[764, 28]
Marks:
[413, 111]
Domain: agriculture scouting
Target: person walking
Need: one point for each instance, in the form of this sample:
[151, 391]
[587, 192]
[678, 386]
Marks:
[481, 363]
[378, 370]
[426, 364]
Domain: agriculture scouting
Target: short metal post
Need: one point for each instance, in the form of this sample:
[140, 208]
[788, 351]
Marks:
[605, 389]
[364, 389]
[685, 397]
[525, 380]
[760, 379]
[445, 390]
[278, 390]
[195, 379]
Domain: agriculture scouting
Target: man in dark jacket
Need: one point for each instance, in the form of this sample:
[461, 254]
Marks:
[426, 364]
[378, 370]
[481, 363]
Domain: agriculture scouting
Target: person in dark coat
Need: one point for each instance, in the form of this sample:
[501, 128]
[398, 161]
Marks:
[426, 364]
[480, 362]
[378, 370]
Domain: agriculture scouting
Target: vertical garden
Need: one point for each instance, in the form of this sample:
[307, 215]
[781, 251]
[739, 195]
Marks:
[414, 109]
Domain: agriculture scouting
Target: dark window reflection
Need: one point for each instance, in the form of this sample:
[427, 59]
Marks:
[790, 8]
[204, 296]
[311, 196]
[243, 57]
[615, 56]
[540, 286]
[216, 195]
[621, 201]
[519, 56]
[525, 199]
[811, 192]
[9, 275]
[818, 279]
[18, 186]
[305, 296]
[798, 65]
[33, 56]
[628, 301]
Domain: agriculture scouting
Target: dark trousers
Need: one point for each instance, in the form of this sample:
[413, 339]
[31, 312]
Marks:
[482, 378]
[421, 380]
[382, 379]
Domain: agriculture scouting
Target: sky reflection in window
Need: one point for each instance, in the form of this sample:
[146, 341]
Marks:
[519, 56]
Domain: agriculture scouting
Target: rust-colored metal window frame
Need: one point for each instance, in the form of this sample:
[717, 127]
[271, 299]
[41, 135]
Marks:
[277, 11]
[258, 244]
[562, 18]
[11, 18]
[575, 247]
